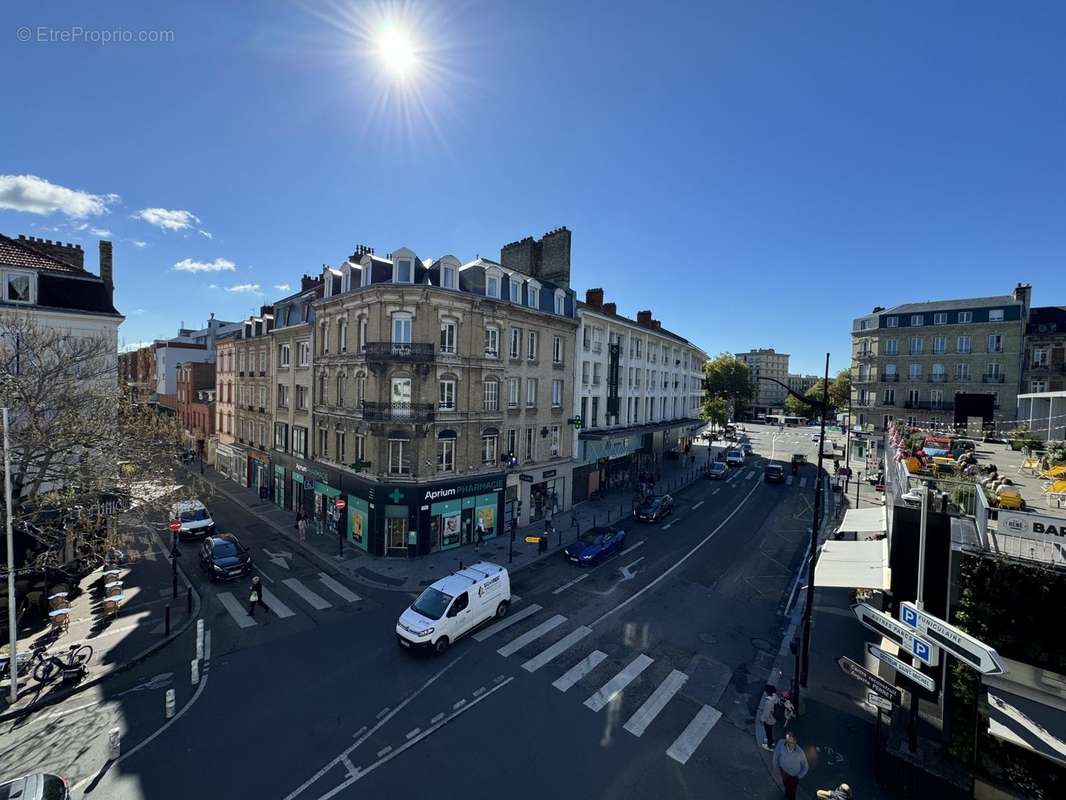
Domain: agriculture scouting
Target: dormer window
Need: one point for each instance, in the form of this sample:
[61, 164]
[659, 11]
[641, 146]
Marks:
[516, 291]
[364, 277]
[560, 302]
[533, 292]
[403, 272]
[492, 286]
[18, 287]
[447, 276]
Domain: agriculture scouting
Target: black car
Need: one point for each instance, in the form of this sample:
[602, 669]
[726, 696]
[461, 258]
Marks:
[223, 557]
[774, 473]
[654, 508]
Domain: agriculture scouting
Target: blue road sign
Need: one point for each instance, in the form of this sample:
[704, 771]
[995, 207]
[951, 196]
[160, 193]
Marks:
[909, 616]
[921, 650]
[309, 484]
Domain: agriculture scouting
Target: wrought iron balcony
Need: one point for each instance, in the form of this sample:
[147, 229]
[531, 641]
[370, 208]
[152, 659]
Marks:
[409, 352]
[991, 379]
[929, 405]
[400, 412]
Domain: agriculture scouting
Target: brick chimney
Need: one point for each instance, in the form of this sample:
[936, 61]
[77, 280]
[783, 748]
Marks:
[644, 319]
[307, 282]
[105, 263]
[610, 308]
[67, 253]
[594, 297]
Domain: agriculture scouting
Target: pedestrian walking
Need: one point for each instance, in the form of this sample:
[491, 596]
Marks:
[791, 762]
[842, 792]
[480, 540]
[255, 597]
[301, 526]
[788, 710]
[769, 715]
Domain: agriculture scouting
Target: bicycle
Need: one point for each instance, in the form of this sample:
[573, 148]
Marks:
[48, 668]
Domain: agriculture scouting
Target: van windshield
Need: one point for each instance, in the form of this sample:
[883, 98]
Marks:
[432, 604]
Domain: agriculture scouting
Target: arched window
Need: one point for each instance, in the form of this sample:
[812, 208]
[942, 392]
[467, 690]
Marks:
[342, 335]
[340, 389]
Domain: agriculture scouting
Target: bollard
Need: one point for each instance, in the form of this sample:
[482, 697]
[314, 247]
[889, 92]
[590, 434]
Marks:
[194, 671]
[169, 703]
[199, 638]
[166, 621]
[188, 600]
[114, 744]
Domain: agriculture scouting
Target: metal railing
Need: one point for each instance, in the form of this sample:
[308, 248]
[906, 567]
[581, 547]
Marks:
[991, 379]
[929, 405]
[399, 351]
[403, 412]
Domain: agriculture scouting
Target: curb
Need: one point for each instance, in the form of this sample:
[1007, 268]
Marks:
[59, 696]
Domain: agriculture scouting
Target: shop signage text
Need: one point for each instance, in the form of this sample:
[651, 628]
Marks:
[1031, 526]
[481, 487]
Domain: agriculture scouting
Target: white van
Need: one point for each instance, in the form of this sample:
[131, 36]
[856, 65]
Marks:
[195, 520]
[454, 606]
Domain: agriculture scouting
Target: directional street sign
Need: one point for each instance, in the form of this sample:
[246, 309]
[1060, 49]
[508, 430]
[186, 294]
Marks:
[883, 624]
[964, 647]
[906, 670]
[877, 701]
[878, 686]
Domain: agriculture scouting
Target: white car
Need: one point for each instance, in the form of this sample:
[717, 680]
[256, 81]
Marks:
[454, 606]
[194, 517]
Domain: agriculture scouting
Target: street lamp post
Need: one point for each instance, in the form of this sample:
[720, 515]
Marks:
[803, 652]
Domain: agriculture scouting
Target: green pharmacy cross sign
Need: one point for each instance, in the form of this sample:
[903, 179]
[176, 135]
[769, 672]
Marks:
[359, 465]
[396, 496]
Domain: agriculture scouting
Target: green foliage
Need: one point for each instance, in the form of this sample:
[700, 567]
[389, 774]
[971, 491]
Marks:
[796, 408]
[840, 390]
[728, 378]
[715, 410]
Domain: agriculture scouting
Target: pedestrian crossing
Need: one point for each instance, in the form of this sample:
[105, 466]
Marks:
[612, 687]
[337, 592]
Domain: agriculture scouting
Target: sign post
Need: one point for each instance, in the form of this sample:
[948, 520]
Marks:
[964, 647]
[882, 623]
[906, 670]
[877, 685]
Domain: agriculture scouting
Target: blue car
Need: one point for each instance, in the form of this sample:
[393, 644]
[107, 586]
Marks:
[594, 544]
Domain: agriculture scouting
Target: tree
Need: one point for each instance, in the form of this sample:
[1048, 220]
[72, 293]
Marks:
[727, 378]
[715, 411]
[840, 390]
[797, 408]
[79, 448]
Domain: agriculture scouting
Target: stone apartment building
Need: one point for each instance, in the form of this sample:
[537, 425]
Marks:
[1044, 365]
[291, 343]
[637, 391]
[196, 403]
[416, 419]
[254, 419]
[221, 453]
[951, 363]
[769, 363]
[800, 384]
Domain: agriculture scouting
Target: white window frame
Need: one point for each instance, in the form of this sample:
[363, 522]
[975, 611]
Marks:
[284, 356]
[995, 315]
[960, 340]
[400, 464]
[303, 353]
[489, 447]
[342, 334]
[962, 372]
[891, 347]
[31, 288]
[403, 322]
[1041, 356]
[493, 282]
[492, 341]
[1038, 386]
[445, 455]
[533, 294]
[516, 290]
[940, 318]
[449, 335]
[940, 344]
[965, 317]
[917, 345]
[892, 322]
[490, 395]
[515, 345]
[557, 349]
[917, 320]
[448, 276]
[557, 393]
[531, 392]
[560, 302]
[396, 262]
[532, 345]
[446, 394]
[555, 440]
[994, 343]
[512, 392]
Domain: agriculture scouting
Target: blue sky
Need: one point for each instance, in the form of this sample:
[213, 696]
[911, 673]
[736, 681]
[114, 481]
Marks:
[757, 174]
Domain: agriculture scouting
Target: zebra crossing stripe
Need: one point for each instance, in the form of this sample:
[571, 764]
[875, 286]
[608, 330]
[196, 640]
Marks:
[313, 600]
[236, 609]
[803, 483]
[507, 623]
[788, 481]
[615, 685]
[579, 670]
[685, 744]
[338, 588]
[560, 646]
[647, 713]
[532, 635]
[275, 605]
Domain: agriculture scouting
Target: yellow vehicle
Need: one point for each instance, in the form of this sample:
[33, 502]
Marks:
[1010, 498]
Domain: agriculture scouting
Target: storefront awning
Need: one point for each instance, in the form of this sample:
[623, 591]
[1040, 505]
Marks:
[853, 565]
[865, 522]
[1028, 723]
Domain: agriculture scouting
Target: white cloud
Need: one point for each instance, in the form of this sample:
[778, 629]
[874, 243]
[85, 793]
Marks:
[99, 231]
[208, 234]
[218, 265]
[37, 196]
[212, 286]
[126, 348]
[244, 288]
[282, 287]
[138, 311]
[138, 243]
[167, 218]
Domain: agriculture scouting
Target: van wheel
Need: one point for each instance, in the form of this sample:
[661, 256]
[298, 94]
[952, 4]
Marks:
[440, 646]
[501, 610]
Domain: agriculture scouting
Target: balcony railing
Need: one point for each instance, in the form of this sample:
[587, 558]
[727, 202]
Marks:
[991, 379]
[929, 405]
[411, 352]
[409, 412]
[890, 377]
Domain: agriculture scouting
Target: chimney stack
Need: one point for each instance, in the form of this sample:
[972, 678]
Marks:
[610, 308]
[644, 319]
[67, 253]
[105, 263]
[307, 282]
[594, 297]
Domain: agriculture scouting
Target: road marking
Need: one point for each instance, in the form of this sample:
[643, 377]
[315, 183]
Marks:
[437, 718]
[348, 765]
[700, 503]
[679, 562]
[556, 649]
[615, 685]
[579, 670]
[412, 734]
[803, 482]
[313, 600]
[507, 623]
[788, 481]
[382, 713]
[498, 678]
[338, 588]
[515, 598]
[479, 691]
[632, 547]
[459, 705]
[566, 586]
[666, 527]
[716, 491]
[685, 744]
[647, 713]
[236, 610]
[750, 475]
[531, 635]
[385, 750]
[359, 732]
[275, 605]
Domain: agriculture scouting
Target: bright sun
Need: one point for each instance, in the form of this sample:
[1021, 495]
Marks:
[397, 51]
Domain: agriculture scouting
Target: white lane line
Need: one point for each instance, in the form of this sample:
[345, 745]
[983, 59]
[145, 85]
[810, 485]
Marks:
[716, 491]
[338, 588]
[383, 712]
[412, 734]
[579, 670]
[531, 635]
[685, 744]
[803, 483]
[566, 586]
[556, 649]
[437, 718]
[679, 562]
[348, 765]
[615, 685]
[750, 475]
[632, 547]
[315, 601]
[359, 732]
[236, 610]
[498, 678]
[338, 789]
[275, 605]
[697, 505]
[646, 714]
[479, 691]
[666, 527]
[385, 750]
[507, 623]
[459, 704]
[515, 598]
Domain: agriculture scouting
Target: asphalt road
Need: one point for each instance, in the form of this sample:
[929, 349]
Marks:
[319, 701]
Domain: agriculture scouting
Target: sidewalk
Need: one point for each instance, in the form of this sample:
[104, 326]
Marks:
[119, 639]
[414, 574]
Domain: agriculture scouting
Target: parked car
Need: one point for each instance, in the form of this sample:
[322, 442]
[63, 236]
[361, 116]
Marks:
[223, 557]
[654, 508]
[194, 518]
[717, 470]
[746, 449]
[734, 458]
[774, 473]
[38, 786]
[595, 544]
